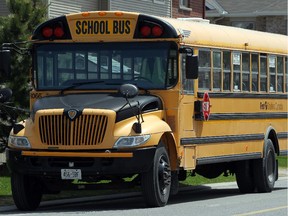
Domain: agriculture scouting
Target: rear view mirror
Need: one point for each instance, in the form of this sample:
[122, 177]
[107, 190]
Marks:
[128, 90]
[191, 66]
[191, 63]
[5, 64]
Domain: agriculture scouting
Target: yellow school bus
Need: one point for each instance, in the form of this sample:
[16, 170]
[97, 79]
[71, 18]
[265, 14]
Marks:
[120, 94]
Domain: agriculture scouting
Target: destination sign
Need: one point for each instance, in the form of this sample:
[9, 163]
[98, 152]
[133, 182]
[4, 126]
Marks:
[102, 27]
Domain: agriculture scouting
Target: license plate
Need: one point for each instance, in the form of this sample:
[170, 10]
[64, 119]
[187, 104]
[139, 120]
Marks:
[71, 174]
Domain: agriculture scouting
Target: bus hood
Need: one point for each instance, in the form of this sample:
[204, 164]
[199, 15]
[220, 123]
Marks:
[109, 101]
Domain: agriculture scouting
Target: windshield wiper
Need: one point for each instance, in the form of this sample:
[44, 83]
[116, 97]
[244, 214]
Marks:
[76, 84]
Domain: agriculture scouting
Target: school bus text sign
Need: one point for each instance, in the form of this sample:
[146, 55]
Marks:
[103, 29]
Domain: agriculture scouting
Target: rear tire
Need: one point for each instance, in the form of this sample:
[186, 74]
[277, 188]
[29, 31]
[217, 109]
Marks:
[26, 191]
[156, 183]
[244, 177]
[265, 169]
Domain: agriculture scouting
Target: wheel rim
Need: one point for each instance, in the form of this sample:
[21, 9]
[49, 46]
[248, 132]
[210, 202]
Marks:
[270, 166]
[164, 175]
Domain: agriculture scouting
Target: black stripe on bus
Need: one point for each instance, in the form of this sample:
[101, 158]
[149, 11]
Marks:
[221, 139]
[228, 158]
[243, 95]
[238, 116]
[282, 135]
[283, 153]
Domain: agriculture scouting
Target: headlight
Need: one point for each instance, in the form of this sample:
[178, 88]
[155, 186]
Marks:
[19, 142]
[131, 141]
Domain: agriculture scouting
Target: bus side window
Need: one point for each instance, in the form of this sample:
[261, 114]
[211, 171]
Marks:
[236, 71]
[286, 72]
[280, 74]
[227, 70]
[272, 72]
[217, 60]
[187, 84]
[263, 72]
[245, 72]
[255, 72]
[204, 79]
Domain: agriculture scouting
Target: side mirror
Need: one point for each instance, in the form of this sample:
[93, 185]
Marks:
[191, 66]
[5, 95]
[128, 90]
[5, 64]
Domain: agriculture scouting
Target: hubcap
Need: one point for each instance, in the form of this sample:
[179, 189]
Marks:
[164, 175]
[270, 166]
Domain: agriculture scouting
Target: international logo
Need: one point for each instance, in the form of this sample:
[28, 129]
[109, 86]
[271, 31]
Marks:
[72, 114]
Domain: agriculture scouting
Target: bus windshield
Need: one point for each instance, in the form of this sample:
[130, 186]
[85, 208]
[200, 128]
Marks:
[105, 65]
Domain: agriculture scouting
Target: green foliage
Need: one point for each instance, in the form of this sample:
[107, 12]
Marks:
[24, 16]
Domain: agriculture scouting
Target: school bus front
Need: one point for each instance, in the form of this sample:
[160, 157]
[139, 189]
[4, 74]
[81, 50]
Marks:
[98, 106]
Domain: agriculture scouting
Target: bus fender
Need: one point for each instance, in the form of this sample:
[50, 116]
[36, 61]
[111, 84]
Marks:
[271, 134]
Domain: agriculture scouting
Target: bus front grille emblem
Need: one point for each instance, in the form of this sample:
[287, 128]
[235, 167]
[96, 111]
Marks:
[72, 114]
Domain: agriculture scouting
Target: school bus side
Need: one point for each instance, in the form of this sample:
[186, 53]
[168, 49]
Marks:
[246, 79]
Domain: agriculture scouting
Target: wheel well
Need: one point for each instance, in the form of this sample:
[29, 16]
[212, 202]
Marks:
[168, 140]
[273, 137]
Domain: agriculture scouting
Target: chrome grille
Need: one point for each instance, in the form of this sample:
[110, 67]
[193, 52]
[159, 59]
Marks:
[58, 130]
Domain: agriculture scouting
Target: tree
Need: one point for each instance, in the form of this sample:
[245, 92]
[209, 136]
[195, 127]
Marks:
[24, 16]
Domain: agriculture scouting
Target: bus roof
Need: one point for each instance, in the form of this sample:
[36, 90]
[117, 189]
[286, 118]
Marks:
[126, 26]
[204, 34]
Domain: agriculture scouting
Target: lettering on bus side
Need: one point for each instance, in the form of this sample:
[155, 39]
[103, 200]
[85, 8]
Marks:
[271, 106]
[88, 27]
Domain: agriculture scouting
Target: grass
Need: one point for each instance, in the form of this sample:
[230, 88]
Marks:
[6, 194]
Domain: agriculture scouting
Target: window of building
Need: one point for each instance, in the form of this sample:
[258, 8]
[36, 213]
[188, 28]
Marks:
[244, 24]
[159, 1]
[184, 5]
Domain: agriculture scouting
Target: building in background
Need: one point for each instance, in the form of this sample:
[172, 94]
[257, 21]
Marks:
[261, 15]
[165, 8]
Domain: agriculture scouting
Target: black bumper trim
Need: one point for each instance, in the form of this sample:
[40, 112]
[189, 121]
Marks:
[51, 166]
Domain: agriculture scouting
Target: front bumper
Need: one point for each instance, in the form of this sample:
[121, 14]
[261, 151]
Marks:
[92, 164]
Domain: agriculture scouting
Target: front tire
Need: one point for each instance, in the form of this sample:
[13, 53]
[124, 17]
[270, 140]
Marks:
[26, 191]
[265, 169]
[156, 183]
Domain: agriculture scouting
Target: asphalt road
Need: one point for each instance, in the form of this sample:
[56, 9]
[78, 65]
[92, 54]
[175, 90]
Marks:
[214, 199]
